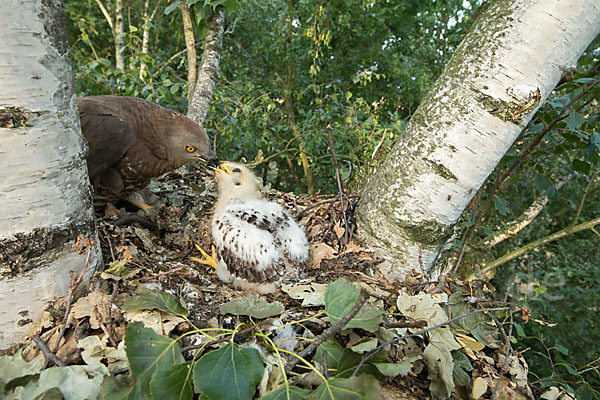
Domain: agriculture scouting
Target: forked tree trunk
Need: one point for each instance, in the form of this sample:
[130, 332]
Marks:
[44, 188]
[513, 57]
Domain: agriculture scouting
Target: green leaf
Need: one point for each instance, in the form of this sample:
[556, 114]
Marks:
[15, 366]
[289, 393]
[157, 299]
[581, 166]
[542, 183]
[229, 373]
[350, 361]
[357, 387]
[461, 366]
[340, 297]
[172, 382]
[501, 205]
[365, 346]
[575, 120]
[147, 351]
[393, 369]
[562, 349]
[74, 382]
[334, 353]
[254, 306]
[169, 9]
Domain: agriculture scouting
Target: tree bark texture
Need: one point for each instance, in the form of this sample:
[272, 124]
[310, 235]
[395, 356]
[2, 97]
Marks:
[190, 46]
[44, 188]
[512, 58]
[119, 34]
[208, 73]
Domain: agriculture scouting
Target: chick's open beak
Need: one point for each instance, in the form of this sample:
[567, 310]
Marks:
[222, 169]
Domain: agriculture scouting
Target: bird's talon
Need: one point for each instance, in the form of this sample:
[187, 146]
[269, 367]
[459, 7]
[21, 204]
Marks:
[209, 259]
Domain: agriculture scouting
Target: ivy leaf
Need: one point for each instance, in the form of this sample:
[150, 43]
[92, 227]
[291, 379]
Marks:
[350, 361]
[148, 351]
[229, 373]
[254, 306]
[171, 382]
[357, 387]
[289, 393]
[340, 297]
[157, 299]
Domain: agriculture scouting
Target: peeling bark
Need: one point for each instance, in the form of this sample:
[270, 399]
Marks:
[44, 188]
[208, 73]
[513, 57]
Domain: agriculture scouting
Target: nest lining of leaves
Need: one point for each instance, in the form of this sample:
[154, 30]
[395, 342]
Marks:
[156, 323]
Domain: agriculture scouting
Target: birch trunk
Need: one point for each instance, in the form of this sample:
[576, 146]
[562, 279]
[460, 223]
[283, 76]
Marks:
[190, 46]
[208, 73]
[44, 188]
[119, 34]
[513, 57]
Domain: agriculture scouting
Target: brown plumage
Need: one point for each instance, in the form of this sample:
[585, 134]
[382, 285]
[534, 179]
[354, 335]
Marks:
[132, 140]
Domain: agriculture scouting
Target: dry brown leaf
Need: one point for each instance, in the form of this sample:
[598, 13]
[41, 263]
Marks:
[84, 307]
[320, 251]
[339, 229]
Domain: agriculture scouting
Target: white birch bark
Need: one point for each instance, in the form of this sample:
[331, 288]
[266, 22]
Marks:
[119, 34]
[513, 57]
[208, 72]
[44, 188]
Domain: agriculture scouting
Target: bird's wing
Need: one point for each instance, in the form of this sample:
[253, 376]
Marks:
[291, 236]
[108, 139]
[246, 242]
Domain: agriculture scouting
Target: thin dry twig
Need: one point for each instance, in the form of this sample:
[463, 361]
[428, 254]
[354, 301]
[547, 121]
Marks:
[221, 340]
[329, 332]
[508, 348]
[339, 182]
[50, 356]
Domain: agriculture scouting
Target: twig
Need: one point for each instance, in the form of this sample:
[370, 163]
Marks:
[585, 193]
[329, 332]
[98, 317]
[217, 341]
[372, 353]
[50, 356]
[164, 273]
[339, 182]
[81, 241]
[508, 348]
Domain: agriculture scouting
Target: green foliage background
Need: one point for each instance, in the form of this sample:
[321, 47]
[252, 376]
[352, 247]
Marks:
[363, 67]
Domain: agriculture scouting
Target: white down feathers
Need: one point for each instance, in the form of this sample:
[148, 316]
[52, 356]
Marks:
[258, 242]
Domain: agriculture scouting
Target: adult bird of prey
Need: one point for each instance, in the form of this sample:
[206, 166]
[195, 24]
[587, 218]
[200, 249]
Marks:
[258, 243]
[132, 140]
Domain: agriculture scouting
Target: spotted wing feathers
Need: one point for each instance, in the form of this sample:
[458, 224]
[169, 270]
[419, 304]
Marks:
[257, 240]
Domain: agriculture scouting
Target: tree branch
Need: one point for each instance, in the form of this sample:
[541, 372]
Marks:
[538, 243]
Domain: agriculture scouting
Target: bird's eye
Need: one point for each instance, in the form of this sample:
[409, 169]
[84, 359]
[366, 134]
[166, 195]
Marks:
[190, 149]
[236, 170]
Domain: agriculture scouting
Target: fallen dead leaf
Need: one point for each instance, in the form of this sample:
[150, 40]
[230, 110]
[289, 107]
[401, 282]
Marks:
[318, 252]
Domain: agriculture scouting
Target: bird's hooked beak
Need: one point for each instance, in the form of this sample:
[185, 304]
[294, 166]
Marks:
[222, 168]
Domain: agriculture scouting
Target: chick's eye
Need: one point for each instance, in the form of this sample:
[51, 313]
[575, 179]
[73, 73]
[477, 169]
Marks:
[236, 170]
[190, 149]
